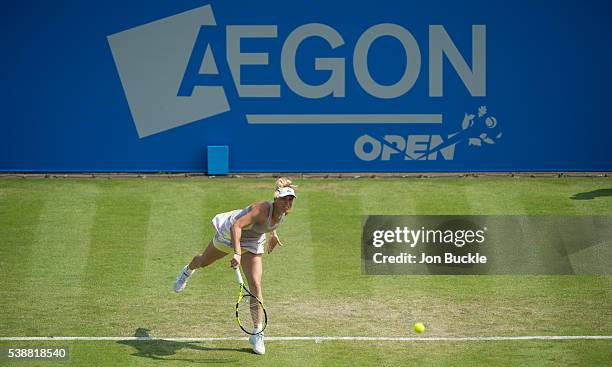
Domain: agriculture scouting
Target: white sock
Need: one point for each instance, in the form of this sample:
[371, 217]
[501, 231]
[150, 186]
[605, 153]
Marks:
[257, 329]
[188, 271]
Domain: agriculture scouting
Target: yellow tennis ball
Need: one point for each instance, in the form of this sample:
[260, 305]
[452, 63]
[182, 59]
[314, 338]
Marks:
[419, 327]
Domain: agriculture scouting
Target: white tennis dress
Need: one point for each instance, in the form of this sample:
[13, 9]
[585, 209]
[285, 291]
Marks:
[253, 237]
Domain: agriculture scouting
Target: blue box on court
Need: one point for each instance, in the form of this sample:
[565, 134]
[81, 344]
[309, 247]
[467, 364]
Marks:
[218, 159]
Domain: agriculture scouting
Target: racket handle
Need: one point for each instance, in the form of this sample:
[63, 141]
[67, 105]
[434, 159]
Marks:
[238, 276]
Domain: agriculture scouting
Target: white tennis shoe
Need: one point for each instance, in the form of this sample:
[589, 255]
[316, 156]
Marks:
[181, 279]
[257, 341]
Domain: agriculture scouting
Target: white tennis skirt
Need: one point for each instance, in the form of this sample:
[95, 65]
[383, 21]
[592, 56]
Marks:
[222, 239]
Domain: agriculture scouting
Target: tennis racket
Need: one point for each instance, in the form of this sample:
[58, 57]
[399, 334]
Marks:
[250, 312]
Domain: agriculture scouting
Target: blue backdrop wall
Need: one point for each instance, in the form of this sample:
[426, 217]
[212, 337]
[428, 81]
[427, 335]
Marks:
[306, 86]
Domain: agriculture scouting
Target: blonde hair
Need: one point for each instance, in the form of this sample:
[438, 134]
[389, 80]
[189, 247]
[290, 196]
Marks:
[282, 182]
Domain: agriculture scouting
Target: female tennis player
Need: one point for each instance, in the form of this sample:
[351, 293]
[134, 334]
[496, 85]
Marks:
[242, 233]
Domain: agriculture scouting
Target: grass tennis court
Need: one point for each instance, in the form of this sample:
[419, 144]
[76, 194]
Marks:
[97, 257]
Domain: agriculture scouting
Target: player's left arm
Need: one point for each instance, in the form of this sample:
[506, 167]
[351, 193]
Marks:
[273, 241]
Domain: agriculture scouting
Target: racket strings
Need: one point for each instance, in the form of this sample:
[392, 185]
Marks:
[251, 313]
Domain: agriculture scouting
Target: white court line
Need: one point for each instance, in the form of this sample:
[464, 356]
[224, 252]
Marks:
[320, 338]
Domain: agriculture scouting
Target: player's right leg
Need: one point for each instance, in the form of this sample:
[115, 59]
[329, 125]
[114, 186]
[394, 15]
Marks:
[252, 266]
[209, 256]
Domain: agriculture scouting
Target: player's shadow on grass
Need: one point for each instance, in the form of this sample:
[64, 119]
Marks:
[162, 349]
[592, 194]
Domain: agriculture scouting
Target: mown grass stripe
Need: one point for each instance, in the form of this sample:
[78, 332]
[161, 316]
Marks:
[295, 260]
[21, 206]
[59, 255]
[115, 263]
[176, 222]
[335, 226]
